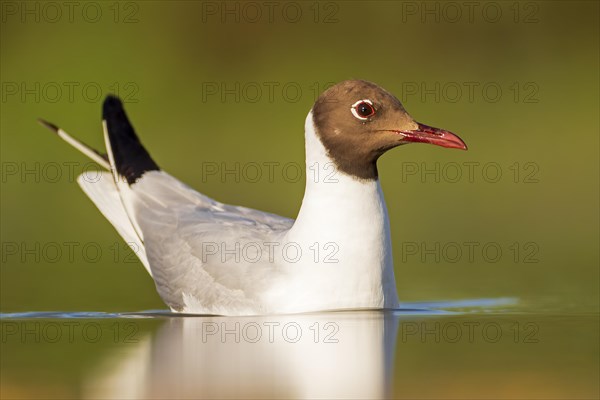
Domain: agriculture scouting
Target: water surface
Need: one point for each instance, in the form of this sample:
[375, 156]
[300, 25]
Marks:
[457, 349]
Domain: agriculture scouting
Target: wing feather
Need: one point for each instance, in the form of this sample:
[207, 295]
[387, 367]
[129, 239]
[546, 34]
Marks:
[182, 229]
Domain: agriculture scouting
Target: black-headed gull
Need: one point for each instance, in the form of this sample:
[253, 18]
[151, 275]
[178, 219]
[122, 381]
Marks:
[212, 258]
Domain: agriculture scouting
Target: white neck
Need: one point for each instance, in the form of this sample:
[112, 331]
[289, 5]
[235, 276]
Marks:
[351, 213]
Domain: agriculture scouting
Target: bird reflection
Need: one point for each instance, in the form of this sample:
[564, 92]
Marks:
[325, 355]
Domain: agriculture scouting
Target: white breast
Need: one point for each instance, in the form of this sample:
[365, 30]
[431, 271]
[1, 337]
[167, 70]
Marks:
[344, 228]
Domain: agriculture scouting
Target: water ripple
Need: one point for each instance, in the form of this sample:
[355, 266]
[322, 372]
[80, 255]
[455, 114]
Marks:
[485, 305]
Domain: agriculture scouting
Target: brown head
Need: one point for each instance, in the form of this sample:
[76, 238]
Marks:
[357, 121]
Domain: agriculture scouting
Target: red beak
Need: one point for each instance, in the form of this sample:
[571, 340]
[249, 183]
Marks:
[431, 135]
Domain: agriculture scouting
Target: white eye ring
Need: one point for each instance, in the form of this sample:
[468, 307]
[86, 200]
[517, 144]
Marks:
[355, 113]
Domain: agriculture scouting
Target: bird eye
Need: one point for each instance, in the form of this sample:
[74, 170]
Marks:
[363, 109]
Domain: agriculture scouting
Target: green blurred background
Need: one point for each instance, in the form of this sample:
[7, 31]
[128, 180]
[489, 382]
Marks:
[164, 58]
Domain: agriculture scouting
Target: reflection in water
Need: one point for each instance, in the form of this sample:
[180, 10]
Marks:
[483, 348]
[319, 355]
[325, 355]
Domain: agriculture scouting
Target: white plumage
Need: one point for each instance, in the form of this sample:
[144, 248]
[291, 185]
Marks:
[255, 268]
[212, 258]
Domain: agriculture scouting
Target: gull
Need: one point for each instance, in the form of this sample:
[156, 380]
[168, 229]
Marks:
[207, 257]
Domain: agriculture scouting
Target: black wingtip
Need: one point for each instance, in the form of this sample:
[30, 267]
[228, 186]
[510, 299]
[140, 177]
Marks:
[112, 104]
[48, 125]
[131, 158]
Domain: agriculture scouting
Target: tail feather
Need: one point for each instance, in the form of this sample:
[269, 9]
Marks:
[125, 158]
[100, 158]
[126, 153]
